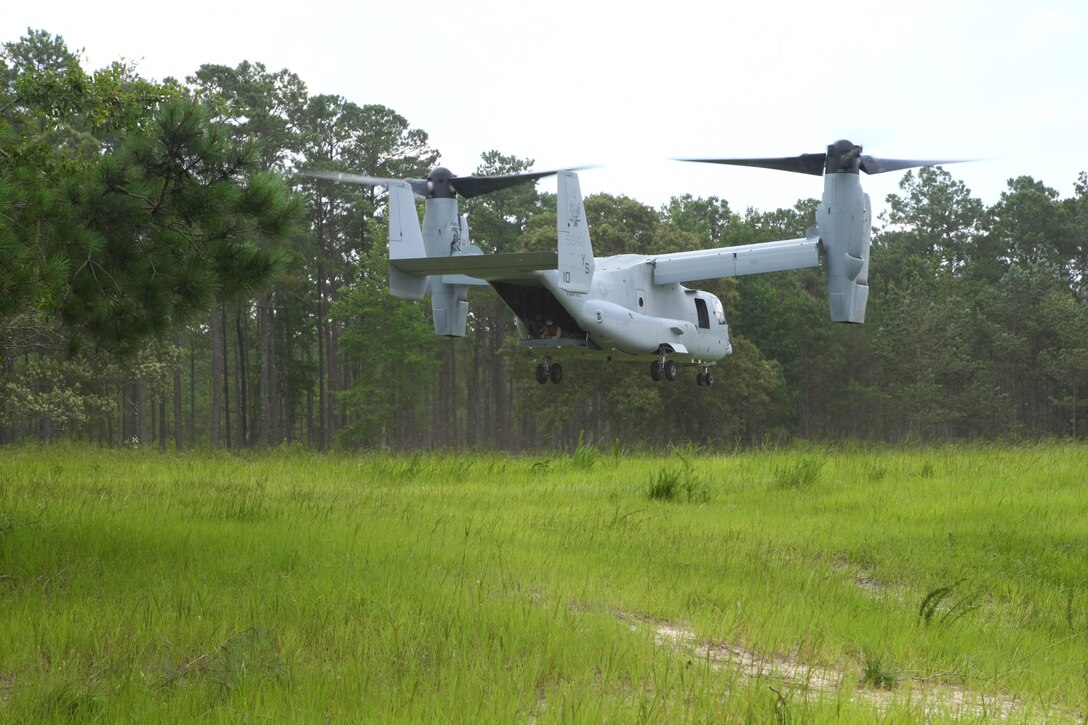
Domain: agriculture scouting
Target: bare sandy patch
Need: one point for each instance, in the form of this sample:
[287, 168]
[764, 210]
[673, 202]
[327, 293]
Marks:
[930, 697]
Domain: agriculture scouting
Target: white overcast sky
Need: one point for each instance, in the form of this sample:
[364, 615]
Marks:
[629, 85]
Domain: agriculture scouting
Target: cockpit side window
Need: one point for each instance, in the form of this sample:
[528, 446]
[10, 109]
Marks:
[704, 316]
[718, 311]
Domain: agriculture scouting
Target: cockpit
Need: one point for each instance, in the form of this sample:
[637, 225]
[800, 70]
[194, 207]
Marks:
[706, 305]
[716, 307]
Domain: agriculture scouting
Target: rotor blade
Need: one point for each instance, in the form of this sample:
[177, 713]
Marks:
[419, 186]
[804, 164]
[470, 186]
[871, 165]
[349, 178]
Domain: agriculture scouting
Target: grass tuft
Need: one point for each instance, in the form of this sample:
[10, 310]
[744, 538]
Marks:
[70, 703]
[665, 485]
[585, 454]
[250, 654]
[802, 474]
[679, 483]
[875, 672]
[941, 600]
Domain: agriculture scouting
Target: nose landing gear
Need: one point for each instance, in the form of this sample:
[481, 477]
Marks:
[670, 369]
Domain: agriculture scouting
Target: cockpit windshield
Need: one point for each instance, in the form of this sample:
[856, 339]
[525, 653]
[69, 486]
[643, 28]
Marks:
[719, 312]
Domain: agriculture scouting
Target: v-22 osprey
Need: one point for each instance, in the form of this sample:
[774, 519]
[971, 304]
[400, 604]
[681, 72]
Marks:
[627, 307]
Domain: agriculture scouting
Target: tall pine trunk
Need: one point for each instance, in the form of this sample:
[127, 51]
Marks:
[332, 360]
[178, 436]
[192, 390]
[264, 326]
[216, 332]
[226, 376]
[141, 412]
[241, 377]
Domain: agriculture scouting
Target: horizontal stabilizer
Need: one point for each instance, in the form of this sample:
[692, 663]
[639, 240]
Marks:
[463, 279]
[736, 261]
[518, 265]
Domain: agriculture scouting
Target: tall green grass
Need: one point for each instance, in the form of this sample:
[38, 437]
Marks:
[297, 587]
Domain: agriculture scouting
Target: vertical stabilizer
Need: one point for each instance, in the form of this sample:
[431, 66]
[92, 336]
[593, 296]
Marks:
[405, 242]
[575, 251]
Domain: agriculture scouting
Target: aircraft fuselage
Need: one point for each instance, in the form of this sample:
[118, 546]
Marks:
[624, 315]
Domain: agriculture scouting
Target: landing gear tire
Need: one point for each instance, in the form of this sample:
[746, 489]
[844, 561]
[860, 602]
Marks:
[542, 373]
[700, 379]
[671, 370]
[556, 373]
[709, 378]
[655, 370]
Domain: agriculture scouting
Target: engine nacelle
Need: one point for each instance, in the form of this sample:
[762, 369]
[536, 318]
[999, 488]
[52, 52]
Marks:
[449, 307]
[844, 224]
[445, 234]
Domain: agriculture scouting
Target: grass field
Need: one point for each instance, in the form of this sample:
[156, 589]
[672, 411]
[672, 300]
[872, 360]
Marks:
[789, 586]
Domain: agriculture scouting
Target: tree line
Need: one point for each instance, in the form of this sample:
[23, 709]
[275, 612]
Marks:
[166, 278]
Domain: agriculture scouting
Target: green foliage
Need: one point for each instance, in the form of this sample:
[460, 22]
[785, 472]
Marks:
[257, 105]
[498, 220]
[174, 219]
[1031, 226]
[131, 207]
[934, 219]
[138, 208]
[620, 225]
[391, 348]
[706, 219]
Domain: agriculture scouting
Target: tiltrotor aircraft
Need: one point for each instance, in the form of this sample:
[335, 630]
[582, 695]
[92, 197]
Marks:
[568, 303]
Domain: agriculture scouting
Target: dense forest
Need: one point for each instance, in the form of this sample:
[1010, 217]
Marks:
[167, 279]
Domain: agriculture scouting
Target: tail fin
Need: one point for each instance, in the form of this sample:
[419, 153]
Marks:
[844, 221]
[575, 250]
[405, 242]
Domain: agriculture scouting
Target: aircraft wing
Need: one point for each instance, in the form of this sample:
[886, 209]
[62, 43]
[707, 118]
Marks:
[491, 267]
[736, 261]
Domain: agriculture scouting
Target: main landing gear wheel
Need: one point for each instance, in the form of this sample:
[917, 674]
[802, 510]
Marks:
[667, 369]
[546, 371]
